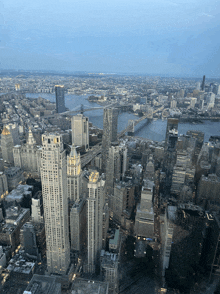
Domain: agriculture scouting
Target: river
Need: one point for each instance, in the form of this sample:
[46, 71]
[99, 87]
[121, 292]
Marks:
[155, 130]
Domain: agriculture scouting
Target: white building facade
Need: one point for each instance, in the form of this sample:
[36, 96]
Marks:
[95, 203]
[80, 131]
[55, 203]
[74, 175]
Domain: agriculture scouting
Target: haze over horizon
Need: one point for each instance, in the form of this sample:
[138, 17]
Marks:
[163, 37]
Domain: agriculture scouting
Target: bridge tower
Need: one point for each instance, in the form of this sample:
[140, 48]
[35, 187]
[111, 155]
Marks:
[81, 108]
[131, 125]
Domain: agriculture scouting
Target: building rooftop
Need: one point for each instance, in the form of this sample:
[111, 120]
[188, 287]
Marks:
[18, 193]
[18, 264]
[109, 260]
[43, 284]
[114, 241]
[83, 286]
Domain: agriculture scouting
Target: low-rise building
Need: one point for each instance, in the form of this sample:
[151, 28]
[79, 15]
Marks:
[43, 284]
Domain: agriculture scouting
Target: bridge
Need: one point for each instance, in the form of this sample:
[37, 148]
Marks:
[82, 109]
[92, 153]
[133, 123]
[71, 112]
[85, 159]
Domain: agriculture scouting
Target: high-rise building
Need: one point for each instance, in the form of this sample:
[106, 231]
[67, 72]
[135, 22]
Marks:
[78, 225]
[7, 145]
[203, 83]
[144, 220]
[95, 204]
[14, 130]
[74, 175]
[37, 208]
[122, 202]
[110, 125]
[55, 203]
[3, 185]
[80, 131]
[116, 166]
[109, 270]
[172, 124]
[60, 100]
[28, 239]
[28, 156]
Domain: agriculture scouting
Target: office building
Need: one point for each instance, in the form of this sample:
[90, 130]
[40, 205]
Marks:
[7, 145]
[122, 202]
[14, 130]
[203, 83]
[172, 124]
[74, 175]
[60, 100]
[14, 177]
[80, 131]
[43, 284]
[95, 204]
[109, 270]
[110, 125]
[28, 156]
[2, 258]
[3, 185]
[33, 239]
[117, 163]
[209, 189]
[28, 239]
[55, 203]
[83, 286]
[144, 220]
[78, 225]
[37, 208]
[10, 228]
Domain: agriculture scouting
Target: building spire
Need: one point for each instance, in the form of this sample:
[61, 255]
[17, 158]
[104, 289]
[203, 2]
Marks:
[31, 140]
[73, 152]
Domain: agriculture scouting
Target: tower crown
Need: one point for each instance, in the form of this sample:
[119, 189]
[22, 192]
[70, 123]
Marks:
[94, 177]
[6, 131]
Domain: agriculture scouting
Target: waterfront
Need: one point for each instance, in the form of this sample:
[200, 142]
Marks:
[155, 130]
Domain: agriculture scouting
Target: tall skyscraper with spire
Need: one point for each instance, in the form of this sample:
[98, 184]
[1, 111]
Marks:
[55, 203]
[74, 174]
[60, 100]
[110, 126]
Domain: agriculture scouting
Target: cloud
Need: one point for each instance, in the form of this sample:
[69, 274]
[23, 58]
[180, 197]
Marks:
[206, 14]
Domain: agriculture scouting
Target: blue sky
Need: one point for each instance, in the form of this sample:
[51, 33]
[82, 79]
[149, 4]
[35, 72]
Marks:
[179, 38]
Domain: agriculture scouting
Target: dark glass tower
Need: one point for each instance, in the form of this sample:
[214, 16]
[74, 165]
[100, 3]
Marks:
[203, 84]
[110, 126]
[60, 101]
[172, 123]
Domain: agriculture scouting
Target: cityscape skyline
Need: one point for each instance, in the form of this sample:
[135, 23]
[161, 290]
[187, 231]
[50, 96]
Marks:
[88, 207]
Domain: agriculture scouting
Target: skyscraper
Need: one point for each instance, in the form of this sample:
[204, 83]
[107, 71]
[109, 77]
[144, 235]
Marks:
[80, 131]
[95, 206]
[172, 124]
[7, 145]
[110, 126]
[28, 156]
[116, 166]
[60, 100]
[55, 203]
[74, 174]
[203, 83]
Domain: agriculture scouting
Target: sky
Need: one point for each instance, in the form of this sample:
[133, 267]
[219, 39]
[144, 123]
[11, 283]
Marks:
[160, 37]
